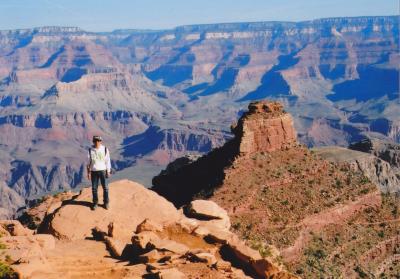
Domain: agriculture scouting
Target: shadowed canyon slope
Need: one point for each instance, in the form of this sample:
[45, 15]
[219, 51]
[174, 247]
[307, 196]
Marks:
[329, 218]
[157, 95]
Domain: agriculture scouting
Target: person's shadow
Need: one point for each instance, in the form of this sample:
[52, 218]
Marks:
[75, 202]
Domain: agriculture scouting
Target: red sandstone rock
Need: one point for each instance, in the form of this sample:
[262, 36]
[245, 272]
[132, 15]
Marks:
[131, 203]
[15, 228]
[165, 243]
[148, 225]
[265, 127]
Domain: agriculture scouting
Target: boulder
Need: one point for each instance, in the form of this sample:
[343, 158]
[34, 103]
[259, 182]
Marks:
[130, 204]
[251, 259]
[209, 214]
[144, 240]
[148, 240]
[206, 210]
[188, 225]
[219, 225]
[148, 225]
[242, 252]
[221, 237]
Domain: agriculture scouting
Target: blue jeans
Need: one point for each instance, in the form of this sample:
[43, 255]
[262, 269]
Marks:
[96, 176]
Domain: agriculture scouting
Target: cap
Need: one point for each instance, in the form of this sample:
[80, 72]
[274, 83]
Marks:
[97, 138]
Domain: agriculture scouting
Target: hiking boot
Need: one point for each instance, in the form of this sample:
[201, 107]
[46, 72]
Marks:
[106, 206]
[94, 206]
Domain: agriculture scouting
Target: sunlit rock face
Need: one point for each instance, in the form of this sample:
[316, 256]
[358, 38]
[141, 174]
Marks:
[265, 127]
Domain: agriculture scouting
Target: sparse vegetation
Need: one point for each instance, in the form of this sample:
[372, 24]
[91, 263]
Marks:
[364, 180]
[6, 272]
[264, 249]
[300, 186]
[360, 272]
[338, 183]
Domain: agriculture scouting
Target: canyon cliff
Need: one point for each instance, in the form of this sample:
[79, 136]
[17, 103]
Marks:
[157, 95]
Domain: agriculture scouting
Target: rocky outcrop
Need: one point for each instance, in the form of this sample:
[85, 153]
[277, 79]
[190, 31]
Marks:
[21, 245]
[202, 209]
[266, 127]
[309, 204]
[387, 151]
[378, 160]
[38, 210]
[14, 228]
[75, 219]
[140, 228]
[375, 169]
[10, 201]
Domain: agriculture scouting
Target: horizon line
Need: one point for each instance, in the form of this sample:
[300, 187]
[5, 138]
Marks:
[199, 24]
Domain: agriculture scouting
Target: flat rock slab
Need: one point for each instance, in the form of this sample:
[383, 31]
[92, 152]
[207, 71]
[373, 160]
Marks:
[206, 210]
[21, 248]
[78, 259]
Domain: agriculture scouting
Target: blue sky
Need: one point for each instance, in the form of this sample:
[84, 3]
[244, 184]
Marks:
[102, 15]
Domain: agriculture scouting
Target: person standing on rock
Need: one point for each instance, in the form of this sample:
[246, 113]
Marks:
[99, 169]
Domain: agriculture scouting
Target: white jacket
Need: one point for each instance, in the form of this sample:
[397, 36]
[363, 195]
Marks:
[98, 160]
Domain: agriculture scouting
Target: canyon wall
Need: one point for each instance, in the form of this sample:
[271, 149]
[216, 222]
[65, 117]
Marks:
[157, 95]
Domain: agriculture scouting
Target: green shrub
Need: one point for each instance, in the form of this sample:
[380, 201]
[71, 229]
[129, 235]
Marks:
[236, 225]
[364, 180]
[6, 271]
[285, 202]
[338, 184]
[360, 272]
